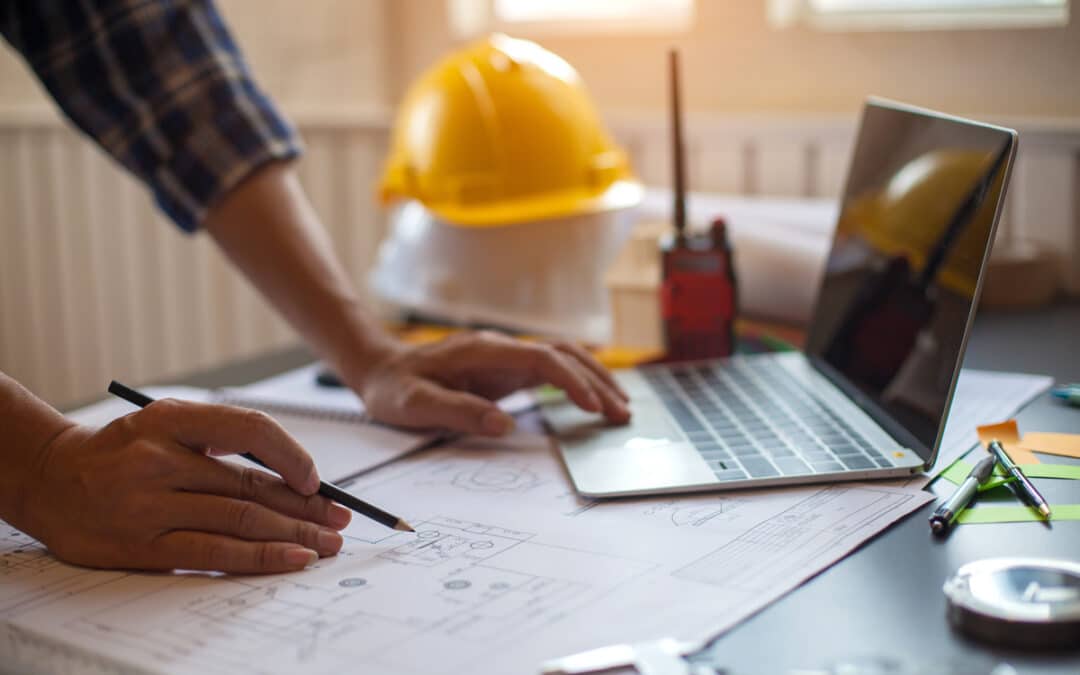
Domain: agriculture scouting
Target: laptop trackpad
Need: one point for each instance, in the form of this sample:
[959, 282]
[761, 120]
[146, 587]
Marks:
[646, 455]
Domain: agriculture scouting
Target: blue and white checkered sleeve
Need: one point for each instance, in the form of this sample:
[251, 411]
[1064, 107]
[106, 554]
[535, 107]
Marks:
[161, 86]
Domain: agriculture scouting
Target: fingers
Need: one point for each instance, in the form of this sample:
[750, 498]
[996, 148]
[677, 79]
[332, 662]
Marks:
[200, 426]
[568, 367]
[430, 405]
[612, 397]
[590, 362]
[184, 549]
[205, 474]
[543, 363]
[248, 520]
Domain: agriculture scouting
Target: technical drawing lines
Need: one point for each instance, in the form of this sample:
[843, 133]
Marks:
[30, 576]
[441, 539]
[222, 626]
[489, 477]
[682, 514]
[790, 541]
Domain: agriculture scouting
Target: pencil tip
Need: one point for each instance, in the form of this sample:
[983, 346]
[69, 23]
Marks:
[1045, 511]
[403, 526]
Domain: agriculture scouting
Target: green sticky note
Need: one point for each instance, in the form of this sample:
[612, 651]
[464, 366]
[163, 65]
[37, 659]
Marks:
[1066, 471]
[957, 472]
[1017, 514]
[960, 469]
[995, 482]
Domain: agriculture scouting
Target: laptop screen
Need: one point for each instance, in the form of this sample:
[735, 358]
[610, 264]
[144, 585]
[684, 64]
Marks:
[903, 275]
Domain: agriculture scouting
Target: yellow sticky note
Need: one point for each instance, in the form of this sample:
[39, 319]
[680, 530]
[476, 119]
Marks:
[1063, 445]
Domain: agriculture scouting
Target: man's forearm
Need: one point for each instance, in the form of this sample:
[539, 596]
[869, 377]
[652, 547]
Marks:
[272, 234]
[29, 425]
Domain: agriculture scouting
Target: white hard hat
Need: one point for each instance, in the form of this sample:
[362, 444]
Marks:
[544, 277]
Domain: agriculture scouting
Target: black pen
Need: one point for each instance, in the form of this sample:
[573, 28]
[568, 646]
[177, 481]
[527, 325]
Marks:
[1027, 490]
[944, 515]
[328, 490]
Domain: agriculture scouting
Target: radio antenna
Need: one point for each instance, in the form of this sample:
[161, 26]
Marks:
[678, 187]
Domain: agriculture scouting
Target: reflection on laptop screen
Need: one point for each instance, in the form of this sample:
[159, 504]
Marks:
[901, 278]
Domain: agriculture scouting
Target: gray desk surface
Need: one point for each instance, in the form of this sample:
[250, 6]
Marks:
[885, 600]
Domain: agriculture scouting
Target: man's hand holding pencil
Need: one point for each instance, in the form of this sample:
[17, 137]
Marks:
[144, 493]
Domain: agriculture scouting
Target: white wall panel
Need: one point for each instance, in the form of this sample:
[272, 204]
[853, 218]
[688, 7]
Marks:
[1046, 205]
[718, 167]
[781, 169]
[95, 285]
[829, 172]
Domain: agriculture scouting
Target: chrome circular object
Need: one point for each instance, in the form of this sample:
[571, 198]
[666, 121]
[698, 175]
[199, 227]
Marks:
[1017, 602]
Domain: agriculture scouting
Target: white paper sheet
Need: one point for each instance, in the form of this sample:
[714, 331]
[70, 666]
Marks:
[508, 568]
[328, 422]
[342, 446]
[331, 422]
[298, 389]
[983, 397]
[108, 409]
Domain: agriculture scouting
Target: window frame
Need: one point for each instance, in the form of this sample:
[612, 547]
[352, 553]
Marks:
[472, 18]
[990, 16]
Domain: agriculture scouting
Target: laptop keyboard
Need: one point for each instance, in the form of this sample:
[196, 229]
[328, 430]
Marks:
[749, 418]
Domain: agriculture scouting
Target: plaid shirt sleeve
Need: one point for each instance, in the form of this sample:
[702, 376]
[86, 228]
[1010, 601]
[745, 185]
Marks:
[161, 86]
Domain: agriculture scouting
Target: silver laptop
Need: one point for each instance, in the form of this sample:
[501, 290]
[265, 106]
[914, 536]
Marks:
[868, 396]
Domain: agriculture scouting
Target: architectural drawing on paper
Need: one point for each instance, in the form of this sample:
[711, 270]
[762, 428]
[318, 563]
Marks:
[30, 576]
[489, 477]
[790, 541]
[457, 582]
[442, 539]
[690, 514]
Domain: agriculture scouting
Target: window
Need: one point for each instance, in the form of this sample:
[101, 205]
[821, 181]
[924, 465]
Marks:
[474, 17]
[918, 14]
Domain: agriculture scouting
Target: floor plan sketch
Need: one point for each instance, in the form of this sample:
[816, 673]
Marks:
[506, 477]
[459, 585]
[681, 513]
[507, 568]
[443, 539]
[29, 576]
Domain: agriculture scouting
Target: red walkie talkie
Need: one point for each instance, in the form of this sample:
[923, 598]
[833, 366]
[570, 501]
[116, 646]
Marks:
[698, 294]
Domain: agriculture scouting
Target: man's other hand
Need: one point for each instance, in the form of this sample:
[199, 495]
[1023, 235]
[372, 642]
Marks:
[452, 384]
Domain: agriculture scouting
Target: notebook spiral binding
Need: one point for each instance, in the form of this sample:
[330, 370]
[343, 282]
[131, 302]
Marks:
[294, 409]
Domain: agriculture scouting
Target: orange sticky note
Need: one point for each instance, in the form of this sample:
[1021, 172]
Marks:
[1063, 445]
[1009, 436]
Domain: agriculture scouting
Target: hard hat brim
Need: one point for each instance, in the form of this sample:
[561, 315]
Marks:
[621, 194]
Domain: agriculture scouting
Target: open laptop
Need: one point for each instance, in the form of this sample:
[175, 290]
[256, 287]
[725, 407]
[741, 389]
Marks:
[868, 397]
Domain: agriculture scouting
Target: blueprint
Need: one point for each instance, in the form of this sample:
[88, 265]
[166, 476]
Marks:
[508, 568]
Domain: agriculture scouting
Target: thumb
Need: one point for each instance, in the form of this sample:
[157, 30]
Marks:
[432, 405]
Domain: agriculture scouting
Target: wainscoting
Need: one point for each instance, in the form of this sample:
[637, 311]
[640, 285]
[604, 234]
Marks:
[95, 285]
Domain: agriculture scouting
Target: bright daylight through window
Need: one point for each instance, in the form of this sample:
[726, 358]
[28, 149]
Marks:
[918, 14]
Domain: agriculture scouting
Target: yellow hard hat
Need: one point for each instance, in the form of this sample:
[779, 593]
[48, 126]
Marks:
[504, 132]
[910, 215]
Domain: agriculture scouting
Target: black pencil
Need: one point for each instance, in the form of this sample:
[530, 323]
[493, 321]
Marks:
[328, 490]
